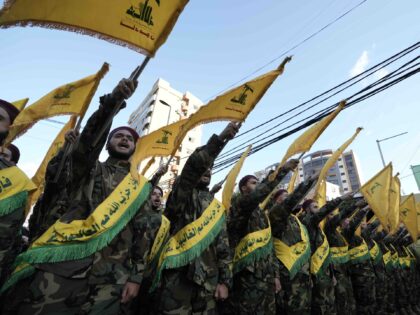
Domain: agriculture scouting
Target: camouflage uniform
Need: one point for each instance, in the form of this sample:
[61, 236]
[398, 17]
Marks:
[361, 273]
[190, 289]
[143, 304]
[10, 235]
[323, 298]
[93, 284]
[379, 269]
[54, 201]
[253, 287]
[297, 294]
[344, 298]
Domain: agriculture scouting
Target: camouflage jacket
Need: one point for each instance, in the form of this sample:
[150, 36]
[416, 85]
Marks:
[245, 216]
[92, 182]
[349, 232]
[186, 202]
[10, 235]
[312, 221]
[284, 226]
[53, 202]
[335, 238]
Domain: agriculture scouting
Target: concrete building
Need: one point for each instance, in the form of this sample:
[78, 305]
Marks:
[345, 172]
[164, 105]
[343, 177]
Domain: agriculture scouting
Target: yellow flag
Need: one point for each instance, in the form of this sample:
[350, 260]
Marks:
[234, 105]
[160, 142]
[332, 160]
[39, 178]
[237, 103]
[418, 216]
[394, 204]
[408, 215]
[305, 141]
[142, 25]
[20, 104]
[292, 181]
[231, 179]
[376, 193]
[320, 194]
[69, 99]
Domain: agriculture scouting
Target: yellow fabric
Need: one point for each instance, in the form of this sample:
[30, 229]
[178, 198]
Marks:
[374, 251]
[387, 258]
[69, 99]
[252, 242]
[418, 216]
[13, 181]
[105, 216]
[231, 179]
[289, 255]
[39, 177]
[358, 252]
[148, 165]
[194, 232]
[142, 25]
[234, 105]
[408, 215]
[320, 195]
[340, 253]
[160, 142]
[160, 238]
[376, 193]
[292, 182]
[320, 256]
[331, 162]
[20, 104]
[305, 141]
[394, 204]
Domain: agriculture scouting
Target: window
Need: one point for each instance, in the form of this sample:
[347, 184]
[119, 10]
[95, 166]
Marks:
[344, 181]
[342, 174]
[346, 189]
[341, 166]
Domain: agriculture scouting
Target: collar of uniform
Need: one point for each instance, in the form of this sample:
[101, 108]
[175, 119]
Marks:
[118, 163]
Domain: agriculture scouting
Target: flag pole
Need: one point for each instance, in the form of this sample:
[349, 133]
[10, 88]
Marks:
[134, 76]
[67, 148]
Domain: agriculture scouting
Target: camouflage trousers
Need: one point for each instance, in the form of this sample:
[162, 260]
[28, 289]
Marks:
[344, 298]
[46, 294]
[104, 300]
[363, 281]
[381, 291]
[296, 293]
[323, 297]
[49, 294]
[251, 295]
[180, 296]
[390, 288]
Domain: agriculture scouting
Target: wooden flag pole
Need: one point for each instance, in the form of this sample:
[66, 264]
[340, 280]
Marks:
[67, 148]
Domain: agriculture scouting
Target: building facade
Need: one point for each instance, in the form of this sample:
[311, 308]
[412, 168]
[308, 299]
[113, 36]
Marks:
[342, 178]
[162, 106]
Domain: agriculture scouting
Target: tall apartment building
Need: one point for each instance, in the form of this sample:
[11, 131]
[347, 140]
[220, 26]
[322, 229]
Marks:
[164, 105]
[344, 175]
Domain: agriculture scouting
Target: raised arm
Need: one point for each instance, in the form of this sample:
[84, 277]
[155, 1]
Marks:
[280, 212]
[85, 154]
[196, 166]
[355, 222]
[329, 207]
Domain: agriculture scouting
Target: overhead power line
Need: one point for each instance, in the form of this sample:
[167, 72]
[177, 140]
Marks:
[288, 51]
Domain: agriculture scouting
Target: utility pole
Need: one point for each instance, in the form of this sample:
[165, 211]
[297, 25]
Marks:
[379, 146]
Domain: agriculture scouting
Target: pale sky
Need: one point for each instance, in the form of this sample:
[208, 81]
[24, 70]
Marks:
[216, 43]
